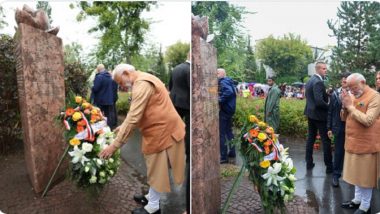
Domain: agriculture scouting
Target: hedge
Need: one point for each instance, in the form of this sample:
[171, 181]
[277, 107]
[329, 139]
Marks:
[292, 120]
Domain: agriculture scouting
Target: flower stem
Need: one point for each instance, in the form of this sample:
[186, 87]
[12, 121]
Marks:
[234, 186]
[55, 171]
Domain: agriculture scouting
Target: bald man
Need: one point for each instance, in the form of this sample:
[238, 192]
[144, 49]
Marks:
[227, 106]
[361, 111]
[162, 133]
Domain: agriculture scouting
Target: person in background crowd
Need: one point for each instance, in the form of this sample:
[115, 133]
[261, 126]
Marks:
[103, 94]
[336, 127]
[272, 105]
[227, 106]
[378, 81]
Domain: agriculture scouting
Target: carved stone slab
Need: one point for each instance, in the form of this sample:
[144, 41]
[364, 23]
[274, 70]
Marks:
[40, 79]
[205, 125]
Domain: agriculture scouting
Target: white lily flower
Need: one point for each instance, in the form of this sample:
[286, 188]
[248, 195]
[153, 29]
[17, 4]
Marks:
[99, 162]
[292, 177]
[271, 176]
[289, 163]
[78, 155]
[87, 147]
[101, 141]
[93, 179]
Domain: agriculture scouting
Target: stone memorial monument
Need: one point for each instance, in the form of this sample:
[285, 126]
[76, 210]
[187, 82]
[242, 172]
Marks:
[205, 122]
[40, 79]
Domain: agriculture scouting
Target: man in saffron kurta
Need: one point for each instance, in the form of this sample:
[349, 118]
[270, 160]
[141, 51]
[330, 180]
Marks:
[361, 111]
[272, 105]
[162, 130]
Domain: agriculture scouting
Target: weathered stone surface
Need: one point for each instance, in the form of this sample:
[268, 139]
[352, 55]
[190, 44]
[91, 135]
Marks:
[40, 79]
[205, 126]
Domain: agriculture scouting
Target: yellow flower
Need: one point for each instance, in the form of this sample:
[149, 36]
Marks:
[77, 116]
[74, 142]
[78, 99]
[262, 137]
[253, 119]
[262, 124]
[94, 111]
[86, 105]
[265, 164]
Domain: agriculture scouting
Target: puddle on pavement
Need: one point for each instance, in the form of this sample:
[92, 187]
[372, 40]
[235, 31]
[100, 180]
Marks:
[311, 200]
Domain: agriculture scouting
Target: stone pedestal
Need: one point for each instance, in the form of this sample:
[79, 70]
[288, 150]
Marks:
[205, 125]
[40, 79]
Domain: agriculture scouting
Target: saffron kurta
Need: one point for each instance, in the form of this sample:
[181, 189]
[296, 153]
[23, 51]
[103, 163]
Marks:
[362, 146]
[162, 130]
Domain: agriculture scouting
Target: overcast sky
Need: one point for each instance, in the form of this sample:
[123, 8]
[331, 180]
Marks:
[171, 23]
[308, 19]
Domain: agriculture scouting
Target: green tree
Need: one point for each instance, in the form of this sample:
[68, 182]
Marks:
[44, 5]
[120, 26]
[160, 68]
[176, 54]
[224, 21]
[287, 56]
[72, 52]
[3, 23]
[146, 60]
[357, 30]
[250, 63]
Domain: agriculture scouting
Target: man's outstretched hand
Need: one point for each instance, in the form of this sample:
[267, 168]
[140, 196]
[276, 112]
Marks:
[107, 152]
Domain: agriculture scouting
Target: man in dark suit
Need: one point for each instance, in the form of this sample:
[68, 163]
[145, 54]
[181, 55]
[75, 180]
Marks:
[317, 105]
[179, 86]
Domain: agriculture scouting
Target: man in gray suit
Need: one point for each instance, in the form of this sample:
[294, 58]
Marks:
[317, 105]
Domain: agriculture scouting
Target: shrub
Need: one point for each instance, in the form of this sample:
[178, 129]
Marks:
[292, 120]
[10, 122]
[76, 79]
[122, 104]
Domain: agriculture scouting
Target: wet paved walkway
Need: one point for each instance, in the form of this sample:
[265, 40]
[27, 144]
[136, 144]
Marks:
[170, 203]
[17, 195]
[314, 193]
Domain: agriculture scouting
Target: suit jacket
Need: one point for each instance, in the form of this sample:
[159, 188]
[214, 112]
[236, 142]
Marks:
[316, 99]
[179, 86]
[334, 122]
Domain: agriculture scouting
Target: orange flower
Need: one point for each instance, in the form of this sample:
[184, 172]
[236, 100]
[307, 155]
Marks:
[80, 129]
[253, 133]
[268, 143]
[69, 112]
[94, 118]
[267, 150]
[81, 123]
